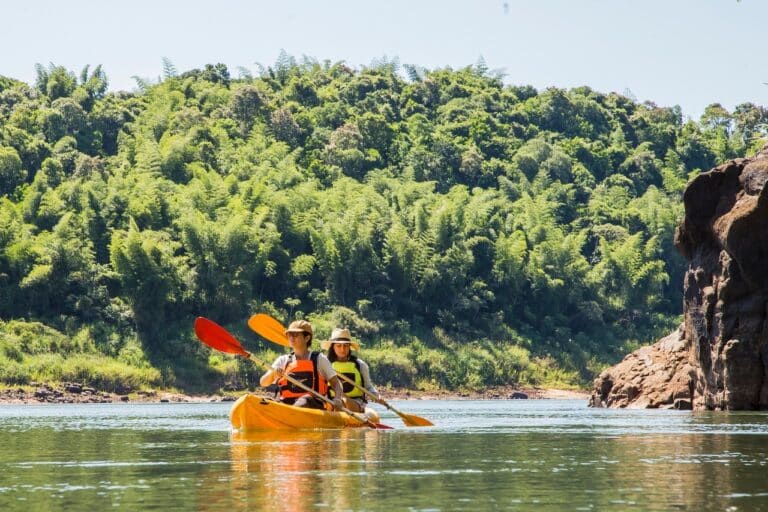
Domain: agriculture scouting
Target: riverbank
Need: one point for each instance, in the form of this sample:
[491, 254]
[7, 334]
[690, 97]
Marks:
[493, 393]
[79, 394]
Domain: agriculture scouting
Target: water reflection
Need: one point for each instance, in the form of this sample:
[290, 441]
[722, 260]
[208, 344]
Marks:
[692, 472]
[303, 470]
[542, 455]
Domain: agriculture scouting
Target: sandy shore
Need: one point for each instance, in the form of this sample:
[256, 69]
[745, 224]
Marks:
[76, 393]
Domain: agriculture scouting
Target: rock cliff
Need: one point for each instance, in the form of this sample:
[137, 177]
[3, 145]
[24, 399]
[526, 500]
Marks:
[718, 358]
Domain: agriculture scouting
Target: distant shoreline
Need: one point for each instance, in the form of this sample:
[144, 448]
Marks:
[493, 393]
[77, 394]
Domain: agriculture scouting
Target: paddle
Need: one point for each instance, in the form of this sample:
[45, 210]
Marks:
[410, 420]
[215, 336]
[274, 331]
[269, 328]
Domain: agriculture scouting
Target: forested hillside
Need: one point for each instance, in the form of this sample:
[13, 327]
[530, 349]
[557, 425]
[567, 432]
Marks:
[469, 233]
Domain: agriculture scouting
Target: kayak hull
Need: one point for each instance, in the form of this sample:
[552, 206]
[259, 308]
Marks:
[251, 412]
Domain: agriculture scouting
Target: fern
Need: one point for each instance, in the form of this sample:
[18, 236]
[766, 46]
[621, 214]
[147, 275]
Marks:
[244, 73]
[143, 84]
[169, 70]
[414, 73]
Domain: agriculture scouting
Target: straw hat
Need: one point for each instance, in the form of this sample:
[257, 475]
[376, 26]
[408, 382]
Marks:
[340, 335]
[300, 326]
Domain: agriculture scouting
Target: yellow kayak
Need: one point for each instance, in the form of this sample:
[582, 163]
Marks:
[251, 412]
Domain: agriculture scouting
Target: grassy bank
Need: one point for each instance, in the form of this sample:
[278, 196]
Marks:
[32, 353]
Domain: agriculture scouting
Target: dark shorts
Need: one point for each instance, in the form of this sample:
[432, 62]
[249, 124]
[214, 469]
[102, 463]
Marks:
[362, 402]
[308, 401]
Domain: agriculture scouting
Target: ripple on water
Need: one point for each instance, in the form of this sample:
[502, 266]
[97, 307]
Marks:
[484, 455]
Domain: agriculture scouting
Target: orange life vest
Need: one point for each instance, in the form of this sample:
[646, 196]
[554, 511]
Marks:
[304, 371]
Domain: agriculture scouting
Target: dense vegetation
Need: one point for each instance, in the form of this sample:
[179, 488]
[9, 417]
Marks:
[470, 233]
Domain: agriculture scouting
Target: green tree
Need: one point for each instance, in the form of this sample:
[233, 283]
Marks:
[152, 277]
[55, 81]
[11, 172]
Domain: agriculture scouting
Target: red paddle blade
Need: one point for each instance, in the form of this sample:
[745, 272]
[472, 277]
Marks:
[215, 336]
[269, 328]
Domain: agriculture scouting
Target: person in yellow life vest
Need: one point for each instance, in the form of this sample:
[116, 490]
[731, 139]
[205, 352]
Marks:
[339, 348]
[313, 369]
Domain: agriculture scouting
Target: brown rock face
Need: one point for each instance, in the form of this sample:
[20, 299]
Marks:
[655, 376]
[720, 353]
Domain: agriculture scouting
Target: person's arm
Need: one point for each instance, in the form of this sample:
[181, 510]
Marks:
[338, 392]
[272, 375]
[325, 368]
[365, 373]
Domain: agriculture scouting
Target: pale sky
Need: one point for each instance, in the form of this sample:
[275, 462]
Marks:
[672, 52]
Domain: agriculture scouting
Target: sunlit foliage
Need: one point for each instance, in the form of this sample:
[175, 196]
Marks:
[421, 206]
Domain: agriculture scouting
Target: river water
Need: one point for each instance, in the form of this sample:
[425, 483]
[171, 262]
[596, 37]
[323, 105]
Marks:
[482, 455]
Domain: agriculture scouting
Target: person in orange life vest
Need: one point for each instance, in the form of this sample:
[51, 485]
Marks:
[310, 368]
[339, 348]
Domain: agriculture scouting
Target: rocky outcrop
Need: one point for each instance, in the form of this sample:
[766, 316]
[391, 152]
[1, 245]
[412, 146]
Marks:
[720, 353]
[656, 376]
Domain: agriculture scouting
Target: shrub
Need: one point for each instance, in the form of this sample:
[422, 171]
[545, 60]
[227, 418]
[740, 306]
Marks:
[93, 370]
[133, 355]
[391, 366]
[13, 372]
[38, 338]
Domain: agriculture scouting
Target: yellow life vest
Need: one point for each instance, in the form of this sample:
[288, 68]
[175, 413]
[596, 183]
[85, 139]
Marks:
[350, 370]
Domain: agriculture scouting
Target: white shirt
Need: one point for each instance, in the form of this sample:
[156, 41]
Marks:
[365, 373]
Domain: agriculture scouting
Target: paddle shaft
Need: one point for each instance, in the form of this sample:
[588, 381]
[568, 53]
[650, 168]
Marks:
[358, 417]
[274, 331]
[361, 388]
[215, 336]
[409, 418]
[298, 383]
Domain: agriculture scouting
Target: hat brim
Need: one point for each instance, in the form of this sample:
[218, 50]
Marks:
[326, 345]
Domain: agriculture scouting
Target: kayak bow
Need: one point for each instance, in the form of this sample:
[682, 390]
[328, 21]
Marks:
[251, 412]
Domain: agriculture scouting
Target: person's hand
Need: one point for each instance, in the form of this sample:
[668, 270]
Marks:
[277, 374]
[338, 404]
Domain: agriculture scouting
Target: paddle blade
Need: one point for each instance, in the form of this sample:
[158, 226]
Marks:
[362, 418]
[215, 336]
[269, 328]
[411, 420]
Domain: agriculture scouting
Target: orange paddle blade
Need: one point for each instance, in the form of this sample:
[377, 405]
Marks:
[269, 328]
[411, 420]
[215, 336]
